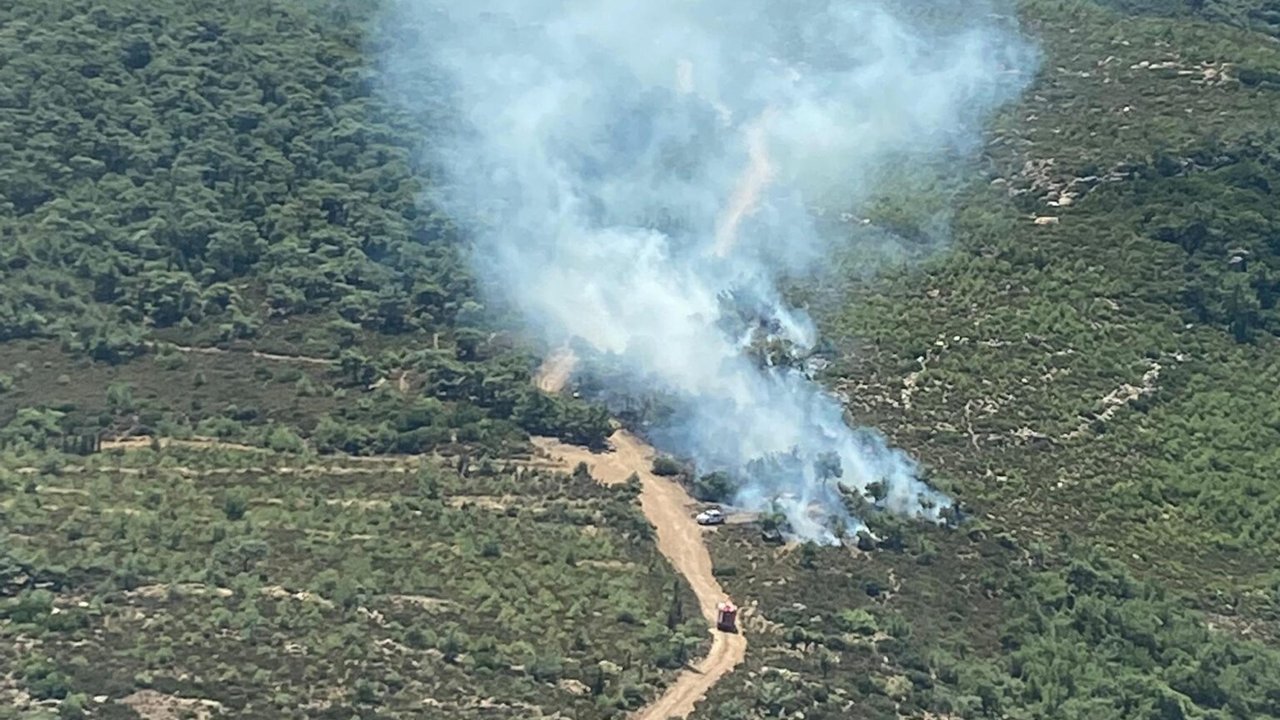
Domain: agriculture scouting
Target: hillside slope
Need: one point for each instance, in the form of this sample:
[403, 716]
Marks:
[1099, 388]
[211, 227]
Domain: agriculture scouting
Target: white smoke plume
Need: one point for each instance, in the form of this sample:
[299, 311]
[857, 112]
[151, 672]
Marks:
[636, 174]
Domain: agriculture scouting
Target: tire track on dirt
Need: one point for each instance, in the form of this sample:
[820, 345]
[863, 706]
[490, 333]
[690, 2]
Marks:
[275, 357]
[666, 504]
[669, 508]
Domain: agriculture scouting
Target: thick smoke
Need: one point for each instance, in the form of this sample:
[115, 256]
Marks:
[637, 176]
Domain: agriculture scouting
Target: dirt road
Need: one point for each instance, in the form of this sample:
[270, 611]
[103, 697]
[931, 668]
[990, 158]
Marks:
[277, 357]
[668, 507]
[664, 502]
[143, 442]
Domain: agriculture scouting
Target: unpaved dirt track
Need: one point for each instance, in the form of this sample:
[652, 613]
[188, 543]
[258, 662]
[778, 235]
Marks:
[669, 508]
[664, 502]
[144, 442]
[277, 357]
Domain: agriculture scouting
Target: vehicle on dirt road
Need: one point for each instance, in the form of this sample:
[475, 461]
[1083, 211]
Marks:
[714, 516]
[727, 617]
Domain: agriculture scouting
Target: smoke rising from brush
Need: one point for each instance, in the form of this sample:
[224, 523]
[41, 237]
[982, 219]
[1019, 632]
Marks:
[637, 176]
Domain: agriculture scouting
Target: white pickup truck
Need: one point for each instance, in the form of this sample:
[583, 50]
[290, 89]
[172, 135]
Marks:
[710, 517]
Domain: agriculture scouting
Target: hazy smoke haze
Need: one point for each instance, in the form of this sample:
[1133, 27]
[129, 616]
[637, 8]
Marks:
[635, 173]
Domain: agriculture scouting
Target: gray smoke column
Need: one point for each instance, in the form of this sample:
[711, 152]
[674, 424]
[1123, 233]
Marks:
[636, 176]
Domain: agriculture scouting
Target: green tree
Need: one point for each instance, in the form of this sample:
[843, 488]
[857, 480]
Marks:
[234, 504]
[120, 397]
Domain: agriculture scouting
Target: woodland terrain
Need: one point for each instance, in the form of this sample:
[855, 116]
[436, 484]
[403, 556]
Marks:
[213, 237]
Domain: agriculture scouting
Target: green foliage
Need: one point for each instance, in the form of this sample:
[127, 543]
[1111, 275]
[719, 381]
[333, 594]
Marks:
[33, 428]
[74, 705]
[1139, 326]
[235, 504]
[664, 466]
[856, 621]
[205, 175]
[281, 438]
[1093, 617]
[219, 563]
[1023, 361]
[210, 175]
[28, 606]
[44, 680]
[1085, 639]
[808, 555]
[120, 398]
[168, 227]
[714, 487]
[1222, 213]
[1261, 16]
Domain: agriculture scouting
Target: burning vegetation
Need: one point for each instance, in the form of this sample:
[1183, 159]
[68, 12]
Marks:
[639, 182]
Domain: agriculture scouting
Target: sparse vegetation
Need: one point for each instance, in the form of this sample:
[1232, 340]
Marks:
[283, 582]
[1097, 391]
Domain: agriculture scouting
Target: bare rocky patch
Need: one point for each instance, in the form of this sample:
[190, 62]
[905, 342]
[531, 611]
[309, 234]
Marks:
[153, 705]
